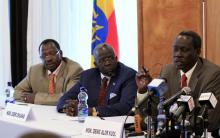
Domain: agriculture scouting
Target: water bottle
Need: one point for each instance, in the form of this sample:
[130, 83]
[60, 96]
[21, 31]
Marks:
[82, 105]
[9, 92]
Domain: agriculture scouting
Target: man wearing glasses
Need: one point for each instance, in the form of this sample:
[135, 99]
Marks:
[46, 82]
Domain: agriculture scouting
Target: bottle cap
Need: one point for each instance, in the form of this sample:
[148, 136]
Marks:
[9, 83]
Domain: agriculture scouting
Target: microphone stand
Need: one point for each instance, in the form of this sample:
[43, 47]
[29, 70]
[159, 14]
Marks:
[150, 122]
[170, 122]
[183, 129]
[204, 123]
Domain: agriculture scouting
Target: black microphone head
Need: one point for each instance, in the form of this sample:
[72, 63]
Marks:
[173, 108]
[171, 100]
[188, 101]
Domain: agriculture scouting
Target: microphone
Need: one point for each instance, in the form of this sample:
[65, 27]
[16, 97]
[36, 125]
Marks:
[186, 105]
[207, 101]
[156, 87]
[183, 91]
[173, 108]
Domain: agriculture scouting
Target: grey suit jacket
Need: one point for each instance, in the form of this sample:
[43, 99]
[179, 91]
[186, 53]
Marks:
[37, 82]
[205, 78]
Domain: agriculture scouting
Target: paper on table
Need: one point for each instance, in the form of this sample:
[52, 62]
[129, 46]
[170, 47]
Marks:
[130, 119]
[64, 117]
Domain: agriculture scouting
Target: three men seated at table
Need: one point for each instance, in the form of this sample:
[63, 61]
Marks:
[118, 95]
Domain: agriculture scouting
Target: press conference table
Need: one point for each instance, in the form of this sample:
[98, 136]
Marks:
[46, 118]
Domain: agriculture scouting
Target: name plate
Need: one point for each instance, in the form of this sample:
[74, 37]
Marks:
[97, 128]
[16, 112]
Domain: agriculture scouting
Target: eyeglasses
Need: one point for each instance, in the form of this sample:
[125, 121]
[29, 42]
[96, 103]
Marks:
[109, 58]
[52, 53]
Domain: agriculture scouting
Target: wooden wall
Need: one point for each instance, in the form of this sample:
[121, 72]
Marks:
[159, 21]
[213, 30]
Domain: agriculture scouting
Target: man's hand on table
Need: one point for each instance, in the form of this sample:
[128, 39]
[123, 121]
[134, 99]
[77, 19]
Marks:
[71, 107]
[28, 97]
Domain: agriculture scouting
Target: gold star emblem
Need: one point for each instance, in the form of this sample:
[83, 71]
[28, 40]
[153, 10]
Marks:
[95, 27]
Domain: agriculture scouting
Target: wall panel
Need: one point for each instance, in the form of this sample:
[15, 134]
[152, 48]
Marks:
[159, 21]
[213, 30]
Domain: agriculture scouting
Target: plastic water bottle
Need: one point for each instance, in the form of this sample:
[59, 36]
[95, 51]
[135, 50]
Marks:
[9, 92]
[82, 105]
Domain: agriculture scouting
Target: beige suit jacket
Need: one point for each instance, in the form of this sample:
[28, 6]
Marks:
[37, 82]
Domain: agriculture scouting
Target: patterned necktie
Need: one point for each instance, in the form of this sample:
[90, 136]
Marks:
[102, 92]
[51, 84]
[183, 81]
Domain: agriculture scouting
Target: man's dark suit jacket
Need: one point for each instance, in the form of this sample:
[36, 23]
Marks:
[205, 78]
[121, 91]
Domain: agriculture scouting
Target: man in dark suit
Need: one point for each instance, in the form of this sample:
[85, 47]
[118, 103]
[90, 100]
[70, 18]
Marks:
[202, 75]
[121, 89]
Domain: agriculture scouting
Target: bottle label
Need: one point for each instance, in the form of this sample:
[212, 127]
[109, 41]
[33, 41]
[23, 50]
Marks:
[9, 100]
[82, 113]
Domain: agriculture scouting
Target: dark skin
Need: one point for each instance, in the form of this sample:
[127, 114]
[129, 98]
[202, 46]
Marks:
[51, 58]
[106, 62]
[143, 78]
[185, 55]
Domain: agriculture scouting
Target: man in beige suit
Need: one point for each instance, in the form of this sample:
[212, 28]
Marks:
[34, 88]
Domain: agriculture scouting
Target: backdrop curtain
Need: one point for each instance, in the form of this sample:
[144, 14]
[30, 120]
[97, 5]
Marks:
[5, 59]
[18, 27]
[70, 23]
[67, 21]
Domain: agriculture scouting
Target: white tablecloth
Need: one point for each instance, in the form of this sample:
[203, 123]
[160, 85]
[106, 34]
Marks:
[46, 118]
